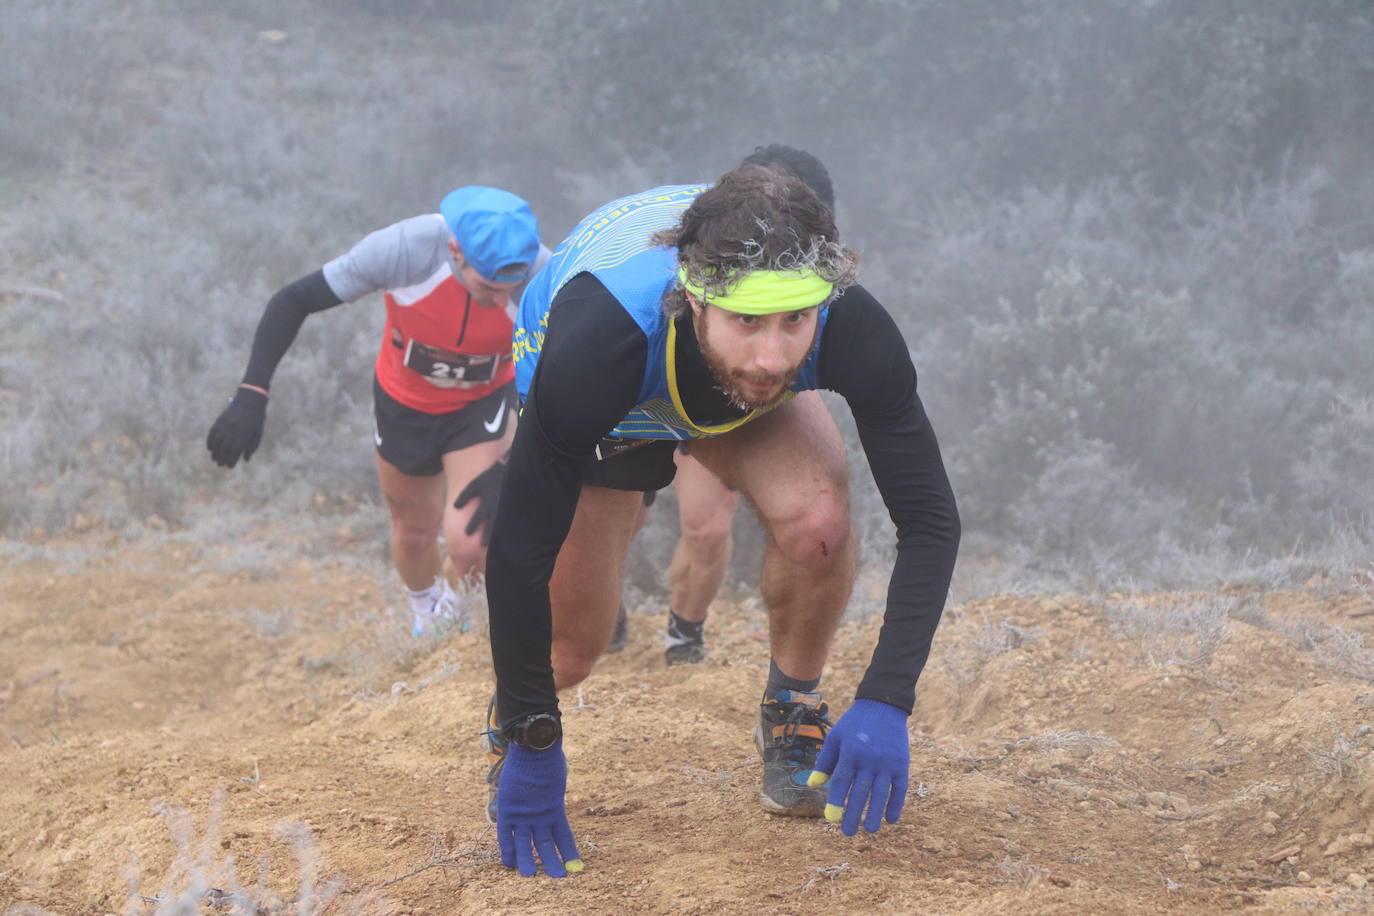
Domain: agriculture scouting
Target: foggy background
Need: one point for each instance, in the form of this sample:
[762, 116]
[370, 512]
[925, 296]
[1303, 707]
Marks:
[1130, 244]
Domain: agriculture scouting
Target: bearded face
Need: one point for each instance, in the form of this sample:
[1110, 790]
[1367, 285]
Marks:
[754, 358]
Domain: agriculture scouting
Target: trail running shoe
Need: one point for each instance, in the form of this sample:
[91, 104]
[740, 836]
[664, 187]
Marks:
[444, 613]
[684, 648]
[790, 732]
[621, 633]
[495, 744]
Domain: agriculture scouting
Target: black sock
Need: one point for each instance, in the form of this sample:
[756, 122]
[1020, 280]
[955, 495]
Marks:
[777, 680]
[685, 629]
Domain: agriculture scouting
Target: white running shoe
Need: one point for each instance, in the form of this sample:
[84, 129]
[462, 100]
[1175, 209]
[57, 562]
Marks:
[444, 613]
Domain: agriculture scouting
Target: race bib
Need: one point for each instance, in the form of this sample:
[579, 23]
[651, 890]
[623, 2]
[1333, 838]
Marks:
[445, 369]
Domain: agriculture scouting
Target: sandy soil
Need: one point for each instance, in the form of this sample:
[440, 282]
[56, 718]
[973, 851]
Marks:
[175, 734]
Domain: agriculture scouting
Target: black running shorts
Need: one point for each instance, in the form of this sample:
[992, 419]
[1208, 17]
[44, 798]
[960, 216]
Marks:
[626, 464]
[415, 442]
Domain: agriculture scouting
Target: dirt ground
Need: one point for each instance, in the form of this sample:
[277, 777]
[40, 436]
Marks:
[183, 740]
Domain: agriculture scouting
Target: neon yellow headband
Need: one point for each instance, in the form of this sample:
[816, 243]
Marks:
[764, 292]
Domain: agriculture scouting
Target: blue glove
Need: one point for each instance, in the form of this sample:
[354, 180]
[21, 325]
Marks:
[867, 752]
[530, 816]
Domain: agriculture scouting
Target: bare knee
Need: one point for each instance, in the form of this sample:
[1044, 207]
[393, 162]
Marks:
[412, 540]
[818, 537]
[708, 540]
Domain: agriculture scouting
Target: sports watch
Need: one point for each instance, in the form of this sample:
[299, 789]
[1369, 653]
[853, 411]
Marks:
[538, 732]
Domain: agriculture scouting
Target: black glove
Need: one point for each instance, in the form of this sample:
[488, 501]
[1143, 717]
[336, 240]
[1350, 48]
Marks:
[486, 489]
[238, 430]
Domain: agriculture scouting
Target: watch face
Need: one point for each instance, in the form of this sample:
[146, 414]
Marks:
[541, 733]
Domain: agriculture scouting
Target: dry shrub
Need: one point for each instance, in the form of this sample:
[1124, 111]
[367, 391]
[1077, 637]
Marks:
[1185, 631]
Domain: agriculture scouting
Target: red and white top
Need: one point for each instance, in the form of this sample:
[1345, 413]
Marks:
[440, 350]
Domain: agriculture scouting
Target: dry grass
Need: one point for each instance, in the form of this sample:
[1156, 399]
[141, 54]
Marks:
[1184, 631]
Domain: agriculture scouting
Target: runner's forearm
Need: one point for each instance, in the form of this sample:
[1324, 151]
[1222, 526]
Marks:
[865, 359]
[532, 519]
[281, 320]
[573, 402]
[921, 503]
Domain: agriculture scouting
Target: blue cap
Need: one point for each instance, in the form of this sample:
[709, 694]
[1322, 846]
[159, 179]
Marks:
[496, 230]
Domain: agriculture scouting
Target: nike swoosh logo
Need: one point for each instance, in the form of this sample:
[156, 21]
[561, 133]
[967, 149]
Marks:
[377, 434]
[495, 423]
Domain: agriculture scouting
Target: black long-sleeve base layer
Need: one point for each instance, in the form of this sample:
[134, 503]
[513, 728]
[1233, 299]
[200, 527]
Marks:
[589, 376]
[281, 320]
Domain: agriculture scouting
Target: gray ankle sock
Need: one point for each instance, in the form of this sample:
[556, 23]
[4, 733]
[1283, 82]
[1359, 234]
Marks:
[777, 680]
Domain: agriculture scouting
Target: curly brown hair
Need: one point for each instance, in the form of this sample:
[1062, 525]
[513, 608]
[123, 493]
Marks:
[755, 218]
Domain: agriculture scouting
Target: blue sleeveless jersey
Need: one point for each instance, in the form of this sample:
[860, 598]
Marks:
[613, 245]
